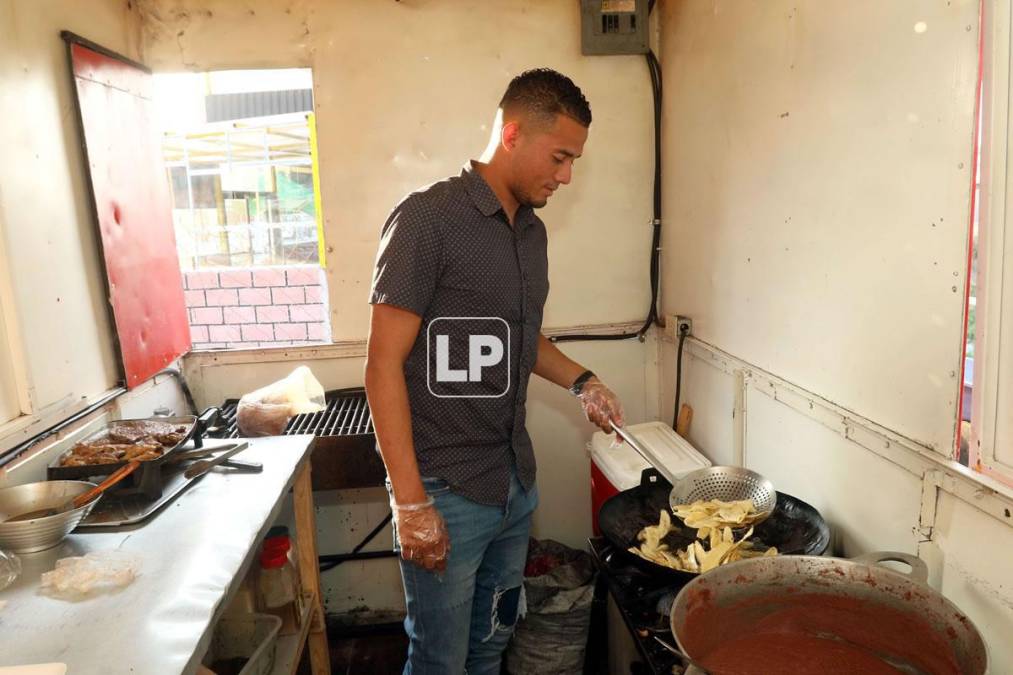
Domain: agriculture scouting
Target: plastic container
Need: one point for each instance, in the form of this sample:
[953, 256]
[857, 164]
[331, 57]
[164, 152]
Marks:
[278, 584]
[253, 637]
[278, 538]
[616, 469]
[277, 541]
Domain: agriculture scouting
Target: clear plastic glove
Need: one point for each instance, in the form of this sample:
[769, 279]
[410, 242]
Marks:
[600, 405]
[422, 534]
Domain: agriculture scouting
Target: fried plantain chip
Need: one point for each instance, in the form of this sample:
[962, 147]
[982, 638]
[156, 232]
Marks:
[721, 546]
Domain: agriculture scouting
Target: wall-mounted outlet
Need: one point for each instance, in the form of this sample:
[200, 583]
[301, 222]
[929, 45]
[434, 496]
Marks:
[676, 325]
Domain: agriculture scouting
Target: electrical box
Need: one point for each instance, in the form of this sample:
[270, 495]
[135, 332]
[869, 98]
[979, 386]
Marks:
[613, 27]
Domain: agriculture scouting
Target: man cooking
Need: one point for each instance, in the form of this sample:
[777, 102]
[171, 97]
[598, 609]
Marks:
[458, 290]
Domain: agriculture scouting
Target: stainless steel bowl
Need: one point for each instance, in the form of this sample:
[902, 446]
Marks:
[727, 483]
[40, 533]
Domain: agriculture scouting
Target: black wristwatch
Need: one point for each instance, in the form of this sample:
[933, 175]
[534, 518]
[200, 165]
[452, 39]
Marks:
[578, 384]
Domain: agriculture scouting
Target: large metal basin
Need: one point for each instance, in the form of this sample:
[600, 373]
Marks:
[40, 533]
[735, 600]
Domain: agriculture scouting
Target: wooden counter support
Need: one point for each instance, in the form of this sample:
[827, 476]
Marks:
[309, 569]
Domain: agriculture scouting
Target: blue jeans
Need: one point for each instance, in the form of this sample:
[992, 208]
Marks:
[461, 620]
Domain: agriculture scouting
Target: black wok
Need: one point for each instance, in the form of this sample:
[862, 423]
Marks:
[794, 527]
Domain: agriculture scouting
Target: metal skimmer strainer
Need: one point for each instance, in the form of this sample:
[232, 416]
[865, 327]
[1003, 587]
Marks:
[727, 483]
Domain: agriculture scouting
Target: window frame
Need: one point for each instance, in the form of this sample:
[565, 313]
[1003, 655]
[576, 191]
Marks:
[12, 344]
[994, 297]
[231, 152]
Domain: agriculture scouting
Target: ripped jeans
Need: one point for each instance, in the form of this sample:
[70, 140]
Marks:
[460, 621]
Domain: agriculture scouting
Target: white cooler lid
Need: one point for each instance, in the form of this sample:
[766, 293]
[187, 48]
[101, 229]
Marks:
[623, 465]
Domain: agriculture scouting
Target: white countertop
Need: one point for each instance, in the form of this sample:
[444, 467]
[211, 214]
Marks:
[192, 554]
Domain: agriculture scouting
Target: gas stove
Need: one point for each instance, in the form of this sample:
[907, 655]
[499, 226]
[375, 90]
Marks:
[644, 602]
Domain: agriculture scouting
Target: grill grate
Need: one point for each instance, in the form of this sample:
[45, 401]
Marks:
[347, 414]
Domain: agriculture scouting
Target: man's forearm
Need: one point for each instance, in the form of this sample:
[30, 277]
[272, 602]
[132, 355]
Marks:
[554, 365]
[388, 403]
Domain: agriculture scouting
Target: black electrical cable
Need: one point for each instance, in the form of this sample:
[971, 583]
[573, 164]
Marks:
[678, 377]
[654, 69]
[183, 387]
[332, 560]
[329, 562]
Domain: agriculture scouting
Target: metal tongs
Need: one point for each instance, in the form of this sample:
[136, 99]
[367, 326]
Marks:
[223, 459]
[201, 467]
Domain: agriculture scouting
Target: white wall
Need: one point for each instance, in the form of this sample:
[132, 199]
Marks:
[972, 559]
[817, 194]
[45, 215]
[817, 204]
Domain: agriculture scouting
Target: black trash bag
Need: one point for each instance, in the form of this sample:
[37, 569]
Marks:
[559, 587]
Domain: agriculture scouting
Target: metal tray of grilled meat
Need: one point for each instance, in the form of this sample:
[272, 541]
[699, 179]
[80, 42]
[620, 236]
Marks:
[148, 479]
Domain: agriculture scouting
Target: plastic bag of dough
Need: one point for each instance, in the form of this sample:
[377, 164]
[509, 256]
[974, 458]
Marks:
[81, 577]
[266, 411]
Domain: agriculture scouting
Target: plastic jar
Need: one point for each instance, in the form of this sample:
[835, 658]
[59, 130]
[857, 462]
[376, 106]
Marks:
[276, 581]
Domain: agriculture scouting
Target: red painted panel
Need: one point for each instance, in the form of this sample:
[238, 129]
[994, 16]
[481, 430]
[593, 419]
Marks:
[134, 212]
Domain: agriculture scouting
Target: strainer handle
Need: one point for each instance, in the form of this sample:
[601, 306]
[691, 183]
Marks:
[919, 570]
[644, 452]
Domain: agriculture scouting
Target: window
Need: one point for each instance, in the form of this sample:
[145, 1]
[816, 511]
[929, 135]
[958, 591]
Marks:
[971, 310]
[240, 156]
[990, 314]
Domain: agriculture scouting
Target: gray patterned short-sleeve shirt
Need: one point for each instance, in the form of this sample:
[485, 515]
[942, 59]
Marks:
[448, 254]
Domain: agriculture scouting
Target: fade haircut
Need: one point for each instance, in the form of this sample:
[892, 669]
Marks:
[542, 94]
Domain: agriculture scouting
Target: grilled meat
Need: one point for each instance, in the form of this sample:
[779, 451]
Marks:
[142, 440]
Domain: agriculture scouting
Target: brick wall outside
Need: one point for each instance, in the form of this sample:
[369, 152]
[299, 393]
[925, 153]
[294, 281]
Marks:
[246, 307]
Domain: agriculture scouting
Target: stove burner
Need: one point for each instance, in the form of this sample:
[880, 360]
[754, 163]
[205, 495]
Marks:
[664, 605]
[645, 603]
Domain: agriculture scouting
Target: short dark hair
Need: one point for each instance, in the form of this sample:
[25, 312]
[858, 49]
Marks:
[545, 93]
